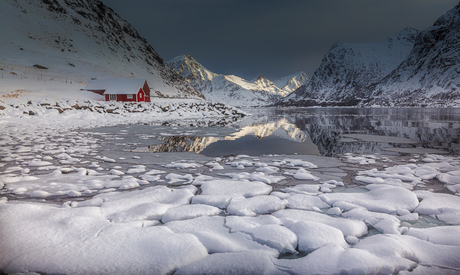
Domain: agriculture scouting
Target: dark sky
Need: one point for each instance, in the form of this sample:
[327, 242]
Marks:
[274, 38]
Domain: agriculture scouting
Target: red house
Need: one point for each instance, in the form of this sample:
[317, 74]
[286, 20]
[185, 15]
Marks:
[125, 90]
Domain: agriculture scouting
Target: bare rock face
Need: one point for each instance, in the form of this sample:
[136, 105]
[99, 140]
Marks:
[410, 69]
[87, 34]
[232, 89]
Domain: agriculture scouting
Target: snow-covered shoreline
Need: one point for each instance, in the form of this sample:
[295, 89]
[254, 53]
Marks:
[76, 206]
[77, 114]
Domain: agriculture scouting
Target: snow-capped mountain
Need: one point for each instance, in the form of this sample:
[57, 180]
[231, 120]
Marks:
[232, 89]
[349, 68]
[77, 40]
[430, 75]
[411, 69]
[292, 82]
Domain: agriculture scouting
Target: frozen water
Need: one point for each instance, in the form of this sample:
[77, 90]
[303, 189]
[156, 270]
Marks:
[235, 188]
[437, 235]
[444, 206]
[302, 174]
[314, 235]
[380, 198]
[215, 236]
[265, 230]
[306, 202]
[73, 232]
[255, 205]
[183, 212]
[347, 226]
[74, 192]
[233, 263]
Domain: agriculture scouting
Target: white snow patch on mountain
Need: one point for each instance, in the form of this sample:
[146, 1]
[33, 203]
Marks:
[231, 89]
[73, 41]
[348, 68]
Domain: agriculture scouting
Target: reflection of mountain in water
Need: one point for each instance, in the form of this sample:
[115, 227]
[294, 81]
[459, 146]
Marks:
[297, 128]
[281, 128]
[431, 128]
[183, 144]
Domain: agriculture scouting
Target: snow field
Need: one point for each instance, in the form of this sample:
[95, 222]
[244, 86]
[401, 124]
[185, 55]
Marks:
[229, 219]
[173, 213]
[77, 114]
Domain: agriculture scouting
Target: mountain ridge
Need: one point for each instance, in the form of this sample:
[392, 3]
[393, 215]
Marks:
[426, 75]
[430, 75]
[348, 68]
[82, 39]
[232, 89]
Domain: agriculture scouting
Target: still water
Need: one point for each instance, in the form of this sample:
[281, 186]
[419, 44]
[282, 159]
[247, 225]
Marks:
[318, 131]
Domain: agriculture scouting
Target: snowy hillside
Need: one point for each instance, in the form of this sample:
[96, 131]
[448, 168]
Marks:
[411, 69]
[232, 89]
[63, 42]
[292, 82]
[347, 69]
[429, 76]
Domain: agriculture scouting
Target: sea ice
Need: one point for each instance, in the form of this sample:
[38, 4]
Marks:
[213, 234]
[385, 223]
[246, 262]
[73, 232]
[267, 169]
[438, 235]
[313, 235]
[362, 160]
[305, 189]
[215, 166]
[380, 198]
[147, 204]
[301, 174]
[235, 188]
[446, 207]
[175, 179]
[347, 226]
[220, 201]
[136, 169]
[183, 165]
[183, 212]
[449, 177]
[334, 211]
[255, 176]
[305, 202]
[39, 163]
[255, 205]
[299, 162]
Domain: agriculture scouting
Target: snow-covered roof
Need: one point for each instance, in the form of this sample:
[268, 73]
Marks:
[116, 86]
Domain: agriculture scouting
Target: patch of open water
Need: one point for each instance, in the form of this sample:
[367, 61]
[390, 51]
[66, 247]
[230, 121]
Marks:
[313, 131]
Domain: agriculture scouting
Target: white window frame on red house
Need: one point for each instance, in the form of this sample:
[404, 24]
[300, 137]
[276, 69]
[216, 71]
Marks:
[129, 97]
[113, 97]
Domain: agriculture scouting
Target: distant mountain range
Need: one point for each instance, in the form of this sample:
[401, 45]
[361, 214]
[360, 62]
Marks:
[232, 89]
[77, 40]
[410, 69]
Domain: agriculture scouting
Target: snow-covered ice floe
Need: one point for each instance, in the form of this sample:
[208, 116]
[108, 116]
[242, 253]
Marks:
[68, 206]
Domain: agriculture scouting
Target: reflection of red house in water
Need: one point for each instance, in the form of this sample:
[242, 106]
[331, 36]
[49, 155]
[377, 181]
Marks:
[125, 90]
